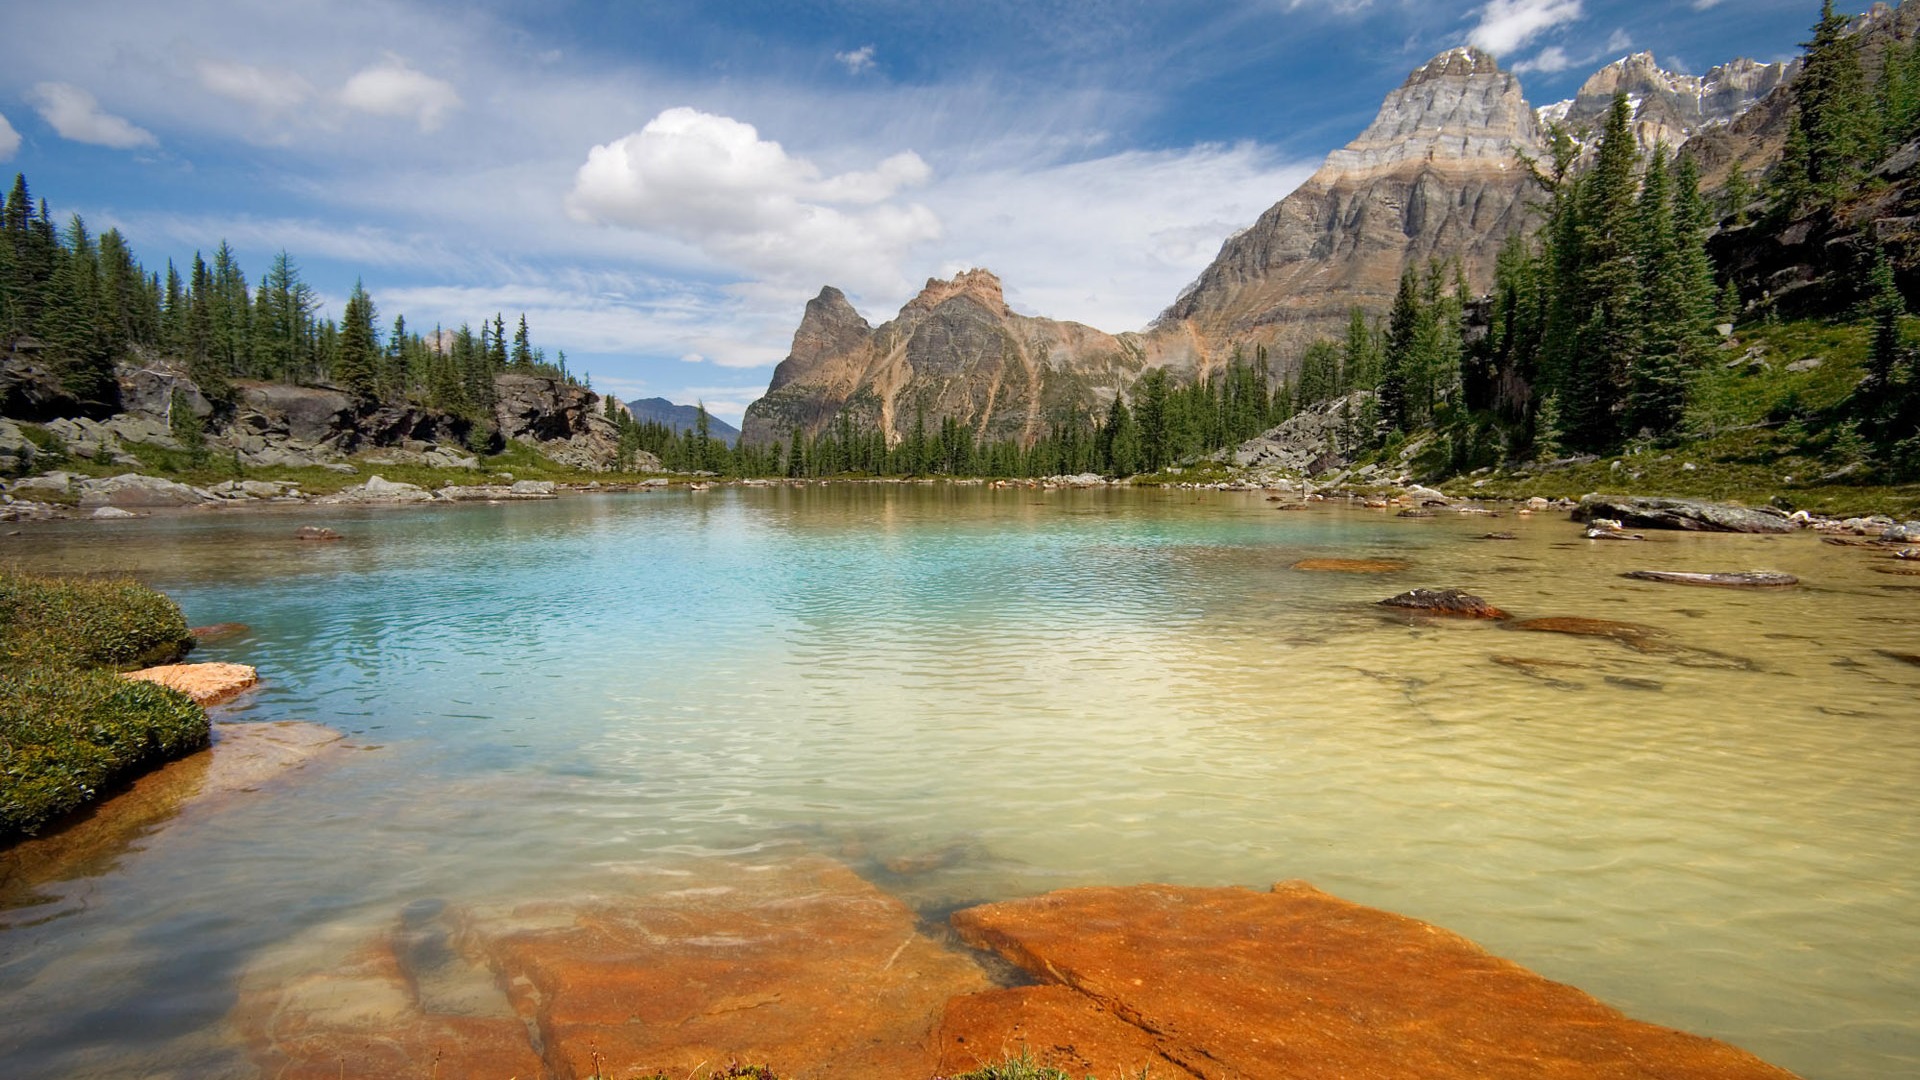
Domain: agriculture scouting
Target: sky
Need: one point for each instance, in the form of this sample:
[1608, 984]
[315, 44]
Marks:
[661, 185]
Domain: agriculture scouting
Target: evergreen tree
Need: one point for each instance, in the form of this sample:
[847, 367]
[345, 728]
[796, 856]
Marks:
[1398, 359]
[1150, 412]
[357, 369]
[1319, 373]
[523, 346]
[1608, 335]
[1835, 112]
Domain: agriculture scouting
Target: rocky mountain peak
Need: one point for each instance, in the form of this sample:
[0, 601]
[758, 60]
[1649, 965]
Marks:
[1454, 63]
[1668, 106]
[978, 285]
[829, 328]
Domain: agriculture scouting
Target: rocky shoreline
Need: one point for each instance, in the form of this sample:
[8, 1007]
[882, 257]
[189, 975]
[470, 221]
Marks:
[65, 496]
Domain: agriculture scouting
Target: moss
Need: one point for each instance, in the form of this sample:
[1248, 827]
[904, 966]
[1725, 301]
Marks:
[70, 728]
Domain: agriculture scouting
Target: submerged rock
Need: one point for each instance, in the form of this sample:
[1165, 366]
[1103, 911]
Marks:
[1056, 1026]
[315, 532]
[1626, 633]
[1452, 602]
[797, 963]
[1745, 579]
[1690, 515]
[240, 760]
[1232, 984]
[204, 635]
[1351, 566]
[1903, 657]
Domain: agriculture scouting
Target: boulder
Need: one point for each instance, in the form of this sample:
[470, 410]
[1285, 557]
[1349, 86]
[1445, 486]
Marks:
[315, 532]
[310, 414]
[16, 450]
[532, 487]
[1450, 602]
[132, 489]
[147, 390]
[1745, 579]
[110, 513]
[1233, 984]
[206, 684]
[1690, 515]
[1902, 534]
[378, 489]
[57, 482]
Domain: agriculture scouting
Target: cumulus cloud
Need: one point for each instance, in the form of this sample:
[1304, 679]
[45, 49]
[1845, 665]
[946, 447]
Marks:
[274, 91]
[713, 182]
[391, 88]
[9, 139]
[1549, 60]
[76, 115]
[858, 61]
[1508, 25]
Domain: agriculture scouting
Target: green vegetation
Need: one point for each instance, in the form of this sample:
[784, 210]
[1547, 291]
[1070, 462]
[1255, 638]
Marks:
[90, 302]
[69, 727]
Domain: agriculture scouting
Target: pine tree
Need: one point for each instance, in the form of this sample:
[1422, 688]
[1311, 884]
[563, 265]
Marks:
[357, 369]
[1835, 111]
[1608, 337]
[1398, 360]
[1150, 413]
[523, 346]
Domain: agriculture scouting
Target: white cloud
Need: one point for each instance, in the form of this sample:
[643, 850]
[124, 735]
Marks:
[391, 88]
[273, 91]
[1702, 5]
[858, 61]
[712, 182]
[1549, 60]
[9, 139]
[1619, 41]
[77, 115]
[1507, 25]
[1108, 241]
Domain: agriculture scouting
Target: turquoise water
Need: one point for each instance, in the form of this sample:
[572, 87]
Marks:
[1027, 690]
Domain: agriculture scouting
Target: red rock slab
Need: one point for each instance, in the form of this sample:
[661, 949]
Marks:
[1054, 1026]
[365, 1018]
[1234, 984]
[802, 966]
[206, 684]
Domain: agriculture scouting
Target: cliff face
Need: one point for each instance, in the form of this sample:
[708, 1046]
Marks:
[1437, 175]
[956, 350]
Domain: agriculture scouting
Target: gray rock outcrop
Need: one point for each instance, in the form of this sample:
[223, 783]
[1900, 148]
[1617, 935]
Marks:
[1690, 515]
[132, 489]
[1311, 442]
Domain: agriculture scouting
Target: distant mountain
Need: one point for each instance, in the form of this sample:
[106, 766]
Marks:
[681, 418]
[956, 351]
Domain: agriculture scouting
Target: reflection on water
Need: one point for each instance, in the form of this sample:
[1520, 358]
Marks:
[970, 695]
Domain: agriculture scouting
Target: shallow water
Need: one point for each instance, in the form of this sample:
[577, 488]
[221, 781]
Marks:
[1017, 691]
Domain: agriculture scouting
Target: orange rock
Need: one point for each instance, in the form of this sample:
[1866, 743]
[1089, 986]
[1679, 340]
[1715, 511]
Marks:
[1233, 984]
[1351, 566]
[218, 632]
[1054, 1026]
[798, 964]
[206, 684]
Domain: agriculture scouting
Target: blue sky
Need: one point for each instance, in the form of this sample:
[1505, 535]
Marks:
[660, 186]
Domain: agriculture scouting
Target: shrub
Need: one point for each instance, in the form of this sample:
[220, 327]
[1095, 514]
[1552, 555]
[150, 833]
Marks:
[66, 735]
[69, 727]
[115, 623]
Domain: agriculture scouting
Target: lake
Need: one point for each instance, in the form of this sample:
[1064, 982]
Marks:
[1015, 691]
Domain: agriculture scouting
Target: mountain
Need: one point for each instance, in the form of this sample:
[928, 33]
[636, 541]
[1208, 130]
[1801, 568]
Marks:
[1441, 173]
[1436, 175]
[1668, 108]
[681, 418]
[955, 350]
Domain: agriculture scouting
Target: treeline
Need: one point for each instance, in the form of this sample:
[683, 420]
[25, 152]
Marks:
[1165, 424]
[90, 304]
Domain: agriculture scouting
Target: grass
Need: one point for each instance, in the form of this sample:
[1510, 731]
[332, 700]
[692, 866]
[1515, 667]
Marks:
[70, 727]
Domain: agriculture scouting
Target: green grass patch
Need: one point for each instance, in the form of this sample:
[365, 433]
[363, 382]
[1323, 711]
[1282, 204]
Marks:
[70, 727]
